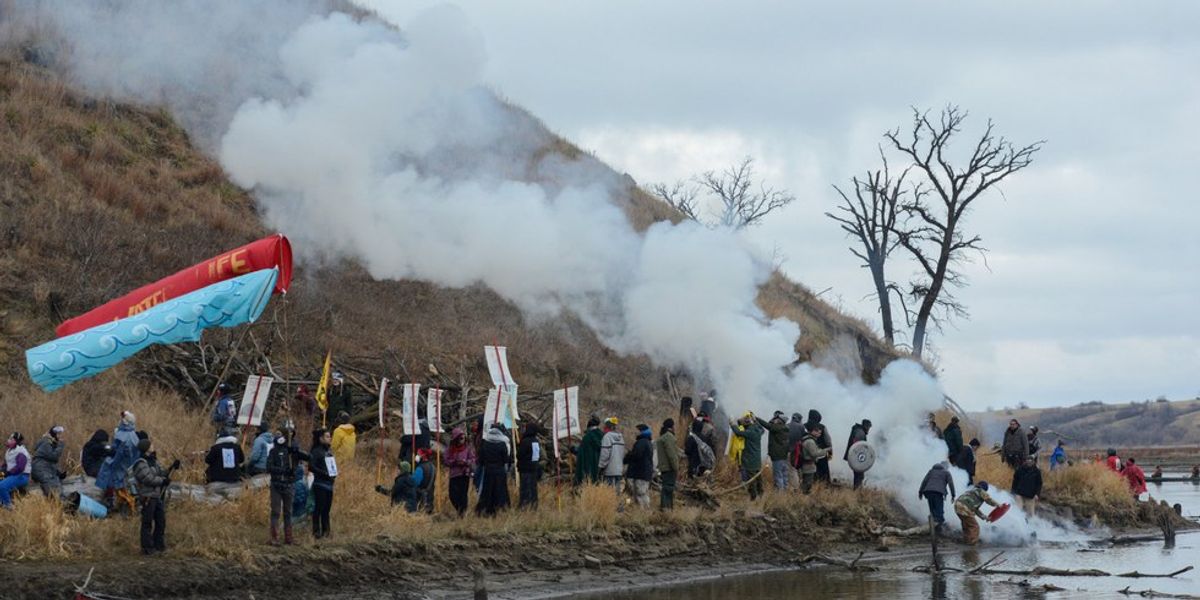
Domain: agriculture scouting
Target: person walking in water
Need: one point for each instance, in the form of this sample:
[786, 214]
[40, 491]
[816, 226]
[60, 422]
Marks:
[967, 508]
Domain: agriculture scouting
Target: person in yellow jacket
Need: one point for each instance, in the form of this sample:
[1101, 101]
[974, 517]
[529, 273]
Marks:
[344, 439]
[737, 443]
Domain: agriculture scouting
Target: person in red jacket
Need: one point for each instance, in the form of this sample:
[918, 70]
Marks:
[1135, 476]
[1113, 461]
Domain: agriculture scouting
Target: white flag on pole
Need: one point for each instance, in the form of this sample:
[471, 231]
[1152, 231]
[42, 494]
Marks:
[383, 390]
[566, 415]
[254, 400]
[433, 409]
[408, 411]
[500, 407]
[497, 362]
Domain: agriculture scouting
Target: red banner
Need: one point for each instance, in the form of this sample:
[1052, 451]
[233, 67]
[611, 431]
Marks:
[274, 251]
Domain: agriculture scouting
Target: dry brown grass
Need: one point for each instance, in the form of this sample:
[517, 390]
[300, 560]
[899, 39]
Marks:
[1086, 488]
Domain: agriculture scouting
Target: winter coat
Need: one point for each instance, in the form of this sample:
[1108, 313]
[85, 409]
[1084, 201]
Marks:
[588, 466]
[708, 434]
[971, 500]
[966, 460]
[752, 453]
[1035, 445]
[260, 450]
[857, 434]
[529, 455]
[796, 433]
[1016, 445]
[45, 459]
[460, 459]
[281, 464]
[225, 412]
[149, 476]
[936, 481]
[954, 440]
[220, 465]
[345, 437]
[424, 477]
[1114, 463]
[810, 453]
[668, 452]
[124, 453]
[1058, 458]
[94, 452]
[494, 453]
[339, 400]
[612, 454]
[825, 442]
[1136, 478]
[17, 461]
[318, 465]
[777, 438]
[1027, 481]
[404, 492]
[736, 444]
[641, 458]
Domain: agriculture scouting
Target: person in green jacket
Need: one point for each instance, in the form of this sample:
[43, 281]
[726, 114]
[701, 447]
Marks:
[752, 433]
[588, 467]
[668, 463]
[777, 448]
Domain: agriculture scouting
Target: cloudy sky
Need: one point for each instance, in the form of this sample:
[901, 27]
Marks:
[1091, 288]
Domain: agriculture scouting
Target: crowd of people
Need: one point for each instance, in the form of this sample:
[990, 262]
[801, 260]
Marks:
[484, 456]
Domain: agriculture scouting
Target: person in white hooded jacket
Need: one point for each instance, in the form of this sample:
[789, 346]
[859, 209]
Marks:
[612, 454]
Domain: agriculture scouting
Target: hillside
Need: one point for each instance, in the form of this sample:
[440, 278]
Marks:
[1096, 425]
[97, 198]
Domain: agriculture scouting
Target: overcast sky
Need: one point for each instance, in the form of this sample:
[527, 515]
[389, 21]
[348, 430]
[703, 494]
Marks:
[1094, 279]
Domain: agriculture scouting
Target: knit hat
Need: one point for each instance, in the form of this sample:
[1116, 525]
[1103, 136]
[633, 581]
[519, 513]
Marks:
[128, 418]
[144, 445]
[405, 467]
[667, 423]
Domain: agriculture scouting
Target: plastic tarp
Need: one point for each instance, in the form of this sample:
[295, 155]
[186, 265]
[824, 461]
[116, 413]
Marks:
[92, 351]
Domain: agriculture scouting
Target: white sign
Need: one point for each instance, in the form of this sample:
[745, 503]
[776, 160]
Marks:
[331, 465]
[501, 407]
[433, 409]
[565, 422]
[497, 362]
[383, 390]
[228, 460]
[254, 400]
[408, 410]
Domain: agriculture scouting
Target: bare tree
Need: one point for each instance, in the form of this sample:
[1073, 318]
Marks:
[938, 202]
[733, 196]
[870, 217]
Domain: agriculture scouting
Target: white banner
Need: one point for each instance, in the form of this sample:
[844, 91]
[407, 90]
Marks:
[408, 411]
[254, 400]
[383, 390]
[497, 362]
[501, 407]
[566, 415]
[433, 409]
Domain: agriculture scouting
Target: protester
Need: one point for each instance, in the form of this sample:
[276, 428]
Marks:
[825, 443]
[338, 397]
[777, 449]
[933, 426]
[708, 433]
[17, 466]
[667, 450]
[1157, 474]
[404, 490]
[612, 454]
[736, 443]
[953, 437]
[460, 462]
[300, 506]
[1058, 458]
[46, 456]
[640, 461]
[260, 450]
[1027, 486]
[529, 467]
[111, 476]
[587, 465]
[224, 413]
[751, 464]
[1195, 476]
[323, 465]
[282, 462]
[224, 459]
[94, 452]
[966, 459]
[494, 456]
[150, 481]
[345, 438]
[1015, 448]
[701, 458]
[796, 433]
[808, 454]
[1113, 461]
[1035, 445]
[967, 508]
[1135, 476]
[858, 433]
[425, 478]
[933, 490]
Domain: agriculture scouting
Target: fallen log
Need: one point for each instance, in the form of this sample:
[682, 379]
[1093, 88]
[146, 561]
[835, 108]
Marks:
[1154, 594]
[1137, 574]
[1041, 571]
[850, 565]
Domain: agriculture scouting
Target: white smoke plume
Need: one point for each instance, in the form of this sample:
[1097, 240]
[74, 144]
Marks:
[365, 141]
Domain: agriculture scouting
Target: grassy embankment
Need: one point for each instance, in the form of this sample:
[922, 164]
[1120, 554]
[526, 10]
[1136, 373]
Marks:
[237, 530]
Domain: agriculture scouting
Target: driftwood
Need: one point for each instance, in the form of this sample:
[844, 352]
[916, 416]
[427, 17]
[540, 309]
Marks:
[1154, 594]
[850, 565]
[1041, 571]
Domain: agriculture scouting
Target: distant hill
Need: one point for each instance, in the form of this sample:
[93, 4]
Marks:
[1093, 424]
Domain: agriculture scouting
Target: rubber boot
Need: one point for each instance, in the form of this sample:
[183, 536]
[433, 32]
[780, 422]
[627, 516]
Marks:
[287, 534]
[274, 535]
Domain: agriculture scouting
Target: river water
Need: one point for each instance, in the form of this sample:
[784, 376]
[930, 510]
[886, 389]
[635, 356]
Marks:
[896, 581]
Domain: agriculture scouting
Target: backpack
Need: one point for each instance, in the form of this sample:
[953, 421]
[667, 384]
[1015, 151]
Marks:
[219, 412]
[131, 484]
[708, 460]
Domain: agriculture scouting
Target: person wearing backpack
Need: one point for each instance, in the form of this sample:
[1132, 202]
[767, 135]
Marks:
[282, 463]
[701, 458]
[807, 454]
[224, 413]
[147, 481]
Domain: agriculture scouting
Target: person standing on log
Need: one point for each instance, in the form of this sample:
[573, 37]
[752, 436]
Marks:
[1027, 486]
[954, 438]
[967, 508]
[933, 490]
[1015, 448]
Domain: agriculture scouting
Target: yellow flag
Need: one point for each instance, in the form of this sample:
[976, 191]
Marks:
[323, 386]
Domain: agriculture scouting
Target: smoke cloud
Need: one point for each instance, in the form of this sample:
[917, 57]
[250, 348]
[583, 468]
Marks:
[364, 141]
